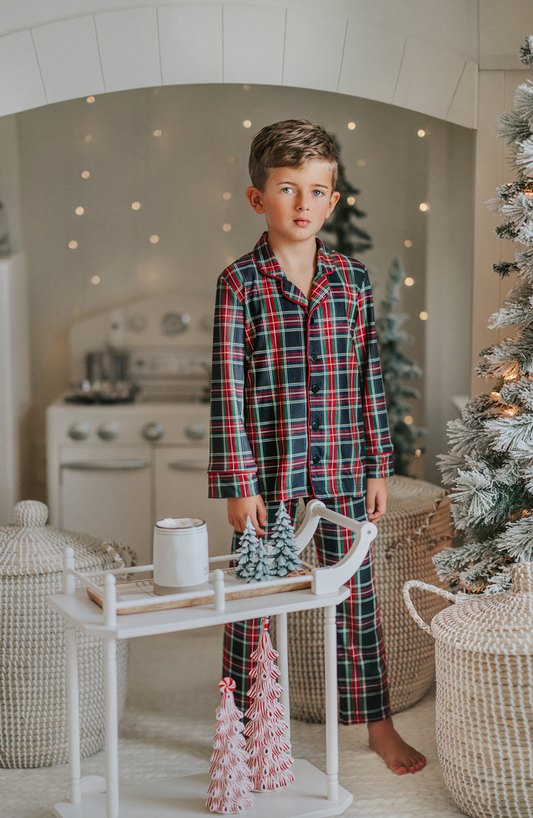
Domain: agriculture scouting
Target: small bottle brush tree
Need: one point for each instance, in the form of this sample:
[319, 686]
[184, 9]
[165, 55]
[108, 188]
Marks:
[490, 465]
[348, 237]
[269, 752]
[283, 549]
[230, 788]
[253, 561]
[397, 369]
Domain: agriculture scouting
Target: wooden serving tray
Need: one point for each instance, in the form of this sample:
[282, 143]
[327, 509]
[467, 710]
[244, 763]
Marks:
[235, 588]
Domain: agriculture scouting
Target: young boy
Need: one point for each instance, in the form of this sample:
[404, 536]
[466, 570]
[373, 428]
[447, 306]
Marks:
[297, 405]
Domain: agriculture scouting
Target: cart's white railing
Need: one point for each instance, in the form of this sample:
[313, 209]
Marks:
[325, 580]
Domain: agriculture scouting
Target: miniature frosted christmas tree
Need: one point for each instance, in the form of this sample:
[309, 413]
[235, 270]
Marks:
[490, 464]
[269, 752]
[283, 548]
[230, 788]
[253, 561]
[397, 369]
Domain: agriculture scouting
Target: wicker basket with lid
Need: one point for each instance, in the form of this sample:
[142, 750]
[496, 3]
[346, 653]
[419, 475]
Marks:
[484, 659]
[33, 724]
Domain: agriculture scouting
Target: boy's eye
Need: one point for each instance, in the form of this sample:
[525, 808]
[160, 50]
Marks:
[318, 193]
[287, 190]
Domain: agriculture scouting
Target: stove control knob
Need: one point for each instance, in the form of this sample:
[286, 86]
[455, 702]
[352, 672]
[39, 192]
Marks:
[108, 431]
[79, 431]
[196, 431]
[153, 431]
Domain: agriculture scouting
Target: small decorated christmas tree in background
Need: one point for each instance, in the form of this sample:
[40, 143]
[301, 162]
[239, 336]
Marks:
[283, 549]
[490, 465]
[269, 752]
[253, 561]
[230, 788]
[348, 237]
[397, 369]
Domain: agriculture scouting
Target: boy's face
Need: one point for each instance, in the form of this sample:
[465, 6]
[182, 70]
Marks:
[295, 201]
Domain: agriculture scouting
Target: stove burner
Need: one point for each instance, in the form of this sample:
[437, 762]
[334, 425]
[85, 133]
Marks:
[103, 395]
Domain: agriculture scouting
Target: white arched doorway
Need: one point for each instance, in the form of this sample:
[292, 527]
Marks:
[258, 43]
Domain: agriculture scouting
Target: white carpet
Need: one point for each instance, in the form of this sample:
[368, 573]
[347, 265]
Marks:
[167, 729]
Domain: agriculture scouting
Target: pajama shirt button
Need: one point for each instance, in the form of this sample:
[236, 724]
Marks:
[316, 459]
[315, 387]
[314, 357]
[315, 425]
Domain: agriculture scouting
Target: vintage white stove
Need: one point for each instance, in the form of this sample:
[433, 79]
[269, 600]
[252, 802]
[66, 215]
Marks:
[113, 469]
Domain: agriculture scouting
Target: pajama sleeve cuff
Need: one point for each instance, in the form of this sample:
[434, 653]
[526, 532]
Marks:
[379, 465]
[244, 484]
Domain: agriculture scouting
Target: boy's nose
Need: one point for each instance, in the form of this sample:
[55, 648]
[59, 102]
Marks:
[303, 206]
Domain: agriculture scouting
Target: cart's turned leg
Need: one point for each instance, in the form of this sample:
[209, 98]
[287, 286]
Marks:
[332, 728]
[73, 715]
[73, 703]
[111, 704]
[283, 650]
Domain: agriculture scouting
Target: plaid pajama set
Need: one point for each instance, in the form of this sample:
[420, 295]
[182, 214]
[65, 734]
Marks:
[298, 410]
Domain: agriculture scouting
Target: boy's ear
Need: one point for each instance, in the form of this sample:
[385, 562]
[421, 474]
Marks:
[332, 202]
[255, 197]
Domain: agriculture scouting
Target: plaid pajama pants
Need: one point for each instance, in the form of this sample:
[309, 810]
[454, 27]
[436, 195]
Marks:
[362, 683]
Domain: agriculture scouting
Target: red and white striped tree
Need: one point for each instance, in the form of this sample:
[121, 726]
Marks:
[230, 788]
[268, 750]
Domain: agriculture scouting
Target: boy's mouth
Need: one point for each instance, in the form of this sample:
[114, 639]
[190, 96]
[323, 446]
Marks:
[301, 222]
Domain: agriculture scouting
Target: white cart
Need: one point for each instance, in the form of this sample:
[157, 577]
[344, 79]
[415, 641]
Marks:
[313, 794]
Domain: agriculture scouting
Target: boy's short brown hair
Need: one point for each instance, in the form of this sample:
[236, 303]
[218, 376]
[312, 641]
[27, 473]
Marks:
[290, 144]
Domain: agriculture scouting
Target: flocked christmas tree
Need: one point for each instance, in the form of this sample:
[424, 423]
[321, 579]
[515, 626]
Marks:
[283, 549]
[348, 237]
[490, 465]
[230, 787]
[397, 369]
[253, 561]
[269, 751]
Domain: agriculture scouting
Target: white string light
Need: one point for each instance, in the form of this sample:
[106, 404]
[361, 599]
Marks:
[226, 228]
[135, 205]
[73, 245]
[408, 243]
[351, 126]
[424, 206]
[79, 211]
[423, 316]
[95, 280]
[85, 174]
[247, 123]
[409, 281]
[154, 239]
[226, 195]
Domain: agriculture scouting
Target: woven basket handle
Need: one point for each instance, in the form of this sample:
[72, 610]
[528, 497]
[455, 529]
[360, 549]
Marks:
[415, 583]
[119, 548]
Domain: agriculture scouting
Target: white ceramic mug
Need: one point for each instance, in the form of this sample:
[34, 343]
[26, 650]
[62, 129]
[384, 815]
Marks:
[181, 555]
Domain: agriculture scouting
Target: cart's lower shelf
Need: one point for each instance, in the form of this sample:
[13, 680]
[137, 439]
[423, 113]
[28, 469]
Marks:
[185, 798]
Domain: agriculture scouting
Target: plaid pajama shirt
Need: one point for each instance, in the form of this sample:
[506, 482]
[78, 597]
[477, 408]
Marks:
[297, 404]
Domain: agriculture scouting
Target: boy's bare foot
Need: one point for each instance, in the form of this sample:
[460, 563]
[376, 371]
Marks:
[395, 752]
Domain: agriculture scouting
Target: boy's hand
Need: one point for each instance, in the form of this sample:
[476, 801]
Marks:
[376, 497]
[239, 508]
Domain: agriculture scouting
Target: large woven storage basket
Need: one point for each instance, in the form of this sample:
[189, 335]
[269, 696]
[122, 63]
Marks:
[33, 722]
[484, 658]
[416, 526]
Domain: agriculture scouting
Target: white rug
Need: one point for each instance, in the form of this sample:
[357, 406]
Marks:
[167, 728]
